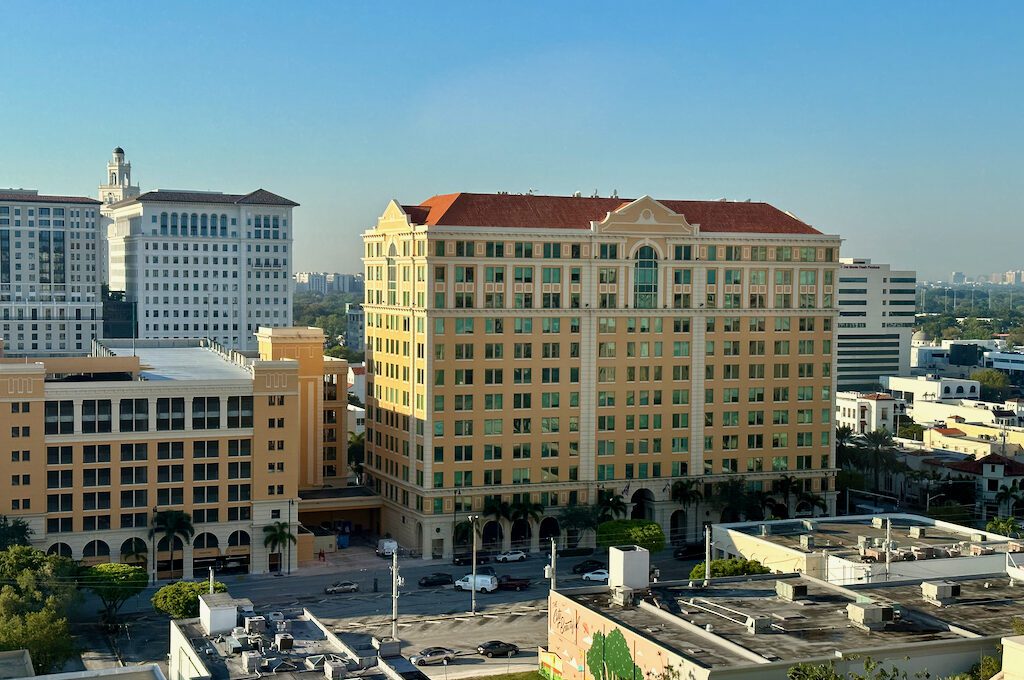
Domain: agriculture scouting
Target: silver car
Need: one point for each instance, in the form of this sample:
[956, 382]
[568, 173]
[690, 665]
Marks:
[341, 587]
[433, 655]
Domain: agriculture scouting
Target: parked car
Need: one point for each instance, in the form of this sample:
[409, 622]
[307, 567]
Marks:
[436, 579]
[497, 648]
[487, 571]
[342, 587]
[588, 565]
[689, 551]
[463, 560]
[433, 655]
[510, 556]
[484, 583]
[596, 575]
[506, 582]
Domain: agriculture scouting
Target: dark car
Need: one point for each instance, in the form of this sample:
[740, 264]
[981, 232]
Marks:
[689, 551]
[497, 648]
[462, 560]
[436, 579]
[506, 582]
[588, 565]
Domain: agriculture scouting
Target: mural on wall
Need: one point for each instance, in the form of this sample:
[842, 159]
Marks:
[609, 657]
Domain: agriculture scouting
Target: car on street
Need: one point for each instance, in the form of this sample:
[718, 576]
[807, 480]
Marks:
[688, 551]
[342, 587]
[510, 556]
[596, 575]
[506, 582]
[587, 565]
[497, 648]
[431, 655]
[436, 579]
[463, 560]
[483, 583]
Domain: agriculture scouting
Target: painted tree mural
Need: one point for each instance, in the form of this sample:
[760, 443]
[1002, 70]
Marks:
[609, 658]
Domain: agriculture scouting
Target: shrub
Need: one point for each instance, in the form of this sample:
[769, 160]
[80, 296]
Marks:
[736, 566]
[641, 532]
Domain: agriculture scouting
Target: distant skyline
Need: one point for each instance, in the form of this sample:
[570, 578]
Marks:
[895, 125]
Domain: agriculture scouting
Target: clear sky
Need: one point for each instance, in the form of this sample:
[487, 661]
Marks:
[897, 125]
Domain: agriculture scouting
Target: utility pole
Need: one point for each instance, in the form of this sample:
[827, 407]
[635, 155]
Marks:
[888, 545]
[707, 555]
[396, 582]
[554, 563]
[211, 580]
[472, 586]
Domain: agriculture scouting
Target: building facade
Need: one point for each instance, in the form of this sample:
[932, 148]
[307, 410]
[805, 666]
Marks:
[204, 264]
[355, 333]
[50, 273]
[876, 322]
[98, 445]
[868, 412]
[538, 350]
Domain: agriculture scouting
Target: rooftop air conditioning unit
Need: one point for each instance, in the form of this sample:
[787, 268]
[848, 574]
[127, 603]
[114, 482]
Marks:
[863, 542]
[284, 641]
[622, 596]
[790, 591]
[759, 625]
[809, 525]
[334, 669]
[877, 522]
[764, 529]
[869, 615]
[251, 661]
[940, 593]
[275, 616]
[255, 624]
[807, 542]
[917, 532]
[978, 538]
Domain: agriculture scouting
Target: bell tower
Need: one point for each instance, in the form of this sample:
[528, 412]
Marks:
[119, 180]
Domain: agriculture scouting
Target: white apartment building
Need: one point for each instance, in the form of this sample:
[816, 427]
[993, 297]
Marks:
[311, 282]
[355, 335]
[876, 322]
[918, 388]
[865, 413]
[50, 273]
[203, 264]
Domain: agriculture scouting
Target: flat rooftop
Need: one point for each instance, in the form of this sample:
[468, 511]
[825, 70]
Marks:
[987, 605]
[811, 627]
[182, 363]
[839, 536]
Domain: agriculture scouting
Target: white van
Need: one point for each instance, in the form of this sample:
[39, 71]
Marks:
[386, 547]
[485, 583]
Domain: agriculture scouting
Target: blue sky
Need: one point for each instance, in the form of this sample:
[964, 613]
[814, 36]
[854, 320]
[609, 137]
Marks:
[895, 125]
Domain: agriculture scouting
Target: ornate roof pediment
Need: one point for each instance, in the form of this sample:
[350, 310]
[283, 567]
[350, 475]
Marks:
[645, 216]
[394, 218]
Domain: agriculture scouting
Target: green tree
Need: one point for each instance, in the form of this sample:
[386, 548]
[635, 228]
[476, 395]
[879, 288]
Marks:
[908, 429]
[180, 600]
[686, 492]
[787, 486]
[736, 566]
[1008, 497]
[14, 532]
[356, 447]
[1015, 336]
[170, 524]
[642, 532]
[114, 584]
[277, 536]
[610, 505]
[498, 509]
[731, 498]
[879, 446]
[46, 634]
[995, 385]
[811, 499]
[527, 510]
[1004, 526]
[576, 520]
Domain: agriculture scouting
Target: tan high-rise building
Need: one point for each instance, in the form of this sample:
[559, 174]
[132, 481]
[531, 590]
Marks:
[540, 349]
[94, 447]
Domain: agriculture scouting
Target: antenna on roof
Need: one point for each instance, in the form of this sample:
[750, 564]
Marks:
[531, 192]
[615, 193]
[577, 194]
[594, 195]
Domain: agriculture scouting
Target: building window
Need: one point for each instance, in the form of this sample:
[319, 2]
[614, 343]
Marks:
[645, 278]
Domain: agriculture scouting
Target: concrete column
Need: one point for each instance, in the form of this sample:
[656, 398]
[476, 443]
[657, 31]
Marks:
[535, 538]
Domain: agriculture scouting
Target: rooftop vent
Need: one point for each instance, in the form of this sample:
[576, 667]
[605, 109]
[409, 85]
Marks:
[809, 525]
[869, 615]
[807, 542]
[877, 522]
[978, 538]
[764, 529]
[623, 596]
[284, 641]
[940, 593]
[759, 625]
[917, 532]
[251, 661]
[789, 591]
[334, 669]
[255, 624]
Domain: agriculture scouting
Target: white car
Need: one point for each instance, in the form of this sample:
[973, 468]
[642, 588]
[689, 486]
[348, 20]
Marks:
[510, 556]
[596, 575]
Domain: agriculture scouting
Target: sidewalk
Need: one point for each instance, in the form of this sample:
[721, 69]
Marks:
[353, 560]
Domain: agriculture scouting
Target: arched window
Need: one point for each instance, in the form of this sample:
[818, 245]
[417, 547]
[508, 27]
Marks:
[113, 178]
[945, 390]
[174, 224]
[645, 278]
[959, 389]
[163, 223]
[195, 225]
[392, 276]
[203, 224]
[223, 225]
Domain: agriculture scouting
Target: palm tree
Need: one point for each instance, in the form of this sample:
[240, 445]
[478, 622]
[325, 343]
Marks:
[610, 505]
[578, 519]
[787, 486]
[730, 496]
[879, 445]
[844, 447]
[812, 499]
[1008, 496]
[758, 505]
[1004, 526]
[356, 447]
[526, 510]
[14, 532]
[276, 536]
[169, 524]
[498, 509]
[687, 492]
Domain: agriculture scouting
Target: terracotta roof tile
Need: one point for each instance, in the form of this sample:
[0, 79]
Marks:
[19, 197]
[567, 212]
[1011, 467]
[258, 197]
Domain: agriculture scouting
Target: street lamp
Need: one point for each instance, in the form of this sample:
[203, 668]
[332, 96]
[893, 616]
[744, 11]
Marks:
[472, 583]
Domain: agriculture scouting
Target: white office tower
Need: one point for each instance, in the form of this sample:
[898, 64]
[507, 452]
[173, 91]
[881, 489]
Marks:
[876, 322]
[202, 264]
[49, 273]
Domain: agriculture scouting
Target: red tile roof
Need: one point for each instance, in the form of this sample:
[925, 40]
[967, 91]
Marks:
[23, 197]
[1011, 467]
[950, 431]
[519, 211]
[258, 197]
